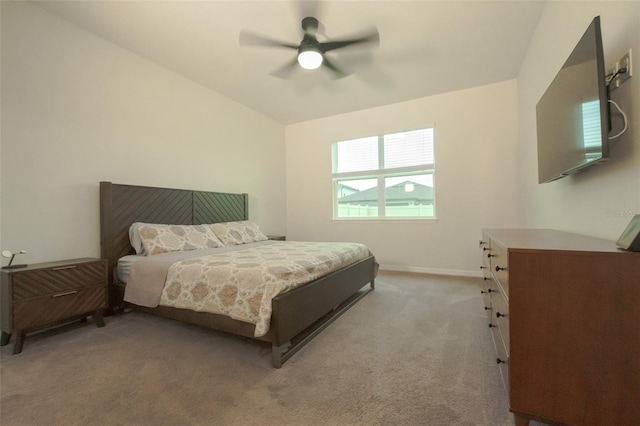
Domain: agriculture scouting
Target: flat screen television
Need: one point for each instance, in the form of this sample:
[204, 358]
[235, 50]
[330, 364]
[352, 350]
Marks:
[572, 114]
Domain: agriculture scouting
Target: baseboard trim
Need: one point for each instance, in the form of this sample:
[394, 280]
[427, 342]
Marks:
[434, 271]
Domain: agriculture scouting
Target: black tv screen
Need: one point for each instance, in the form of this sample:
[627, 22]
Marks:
[571, 116]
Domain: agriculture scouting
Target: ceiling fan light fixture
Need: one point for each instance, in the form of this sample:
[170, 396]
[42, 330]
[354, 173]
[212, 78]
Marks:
[310, 59]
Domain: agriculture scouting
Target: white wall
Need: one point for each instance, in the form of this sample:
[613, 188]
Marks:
[598, 201]
[475, 149]
[77, 109]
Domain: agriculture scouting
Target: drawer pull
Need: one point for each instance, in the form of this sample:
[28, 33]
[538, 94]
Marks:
[499, 361]
[498, 269]
[486, 278]
[485, 248]
[488, 291]
[489, 255]
[481, 242]
[483, 267]
[62, 268]
[487, 308]
[491, 325]
[499, 314]
[65, 294]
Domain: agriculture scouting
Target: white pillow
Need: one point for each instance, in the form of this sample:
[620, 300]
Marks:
[160, 238]
[241, 232]
[134, 238]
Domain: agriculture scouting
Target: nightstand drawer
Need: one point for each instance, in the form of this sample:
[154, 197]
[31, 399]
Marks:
[57, 279]
[58, 306]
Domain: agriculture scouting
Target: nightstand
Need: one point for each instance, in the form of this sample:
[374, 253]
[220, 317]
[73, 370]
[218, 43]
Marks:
[46, 294]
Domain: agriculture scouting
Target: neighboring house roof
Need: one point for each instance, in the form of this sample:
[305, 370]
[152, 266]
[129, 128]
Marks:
[343, 184]
[421, 193]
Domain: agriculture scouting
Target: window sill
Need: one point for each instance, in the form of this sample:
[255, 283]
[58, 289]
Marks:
[387, 219]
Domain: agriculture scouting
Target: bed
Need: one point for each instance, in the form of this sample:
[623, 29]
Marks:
[296, 316]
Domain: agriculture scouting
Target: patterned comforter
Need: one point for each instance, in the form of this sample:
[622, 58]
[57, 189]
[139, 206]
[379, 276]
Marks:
[242, 282]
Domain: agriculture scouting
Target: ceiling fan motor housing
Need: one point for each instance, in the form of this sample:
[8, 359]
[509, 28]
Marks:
[310, 25]
[309, 42]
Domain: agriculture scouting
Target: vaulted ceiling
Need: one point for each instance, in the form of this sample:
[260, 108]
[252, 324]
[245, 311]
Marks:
[426, 47]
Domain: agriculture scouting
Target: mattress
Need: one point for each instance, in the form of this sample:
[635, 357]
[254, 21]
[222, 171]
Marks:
[123, 269]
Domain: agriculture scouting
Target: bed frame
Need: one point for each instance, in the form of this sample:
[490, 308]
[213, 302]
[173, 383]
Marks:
[298, 315]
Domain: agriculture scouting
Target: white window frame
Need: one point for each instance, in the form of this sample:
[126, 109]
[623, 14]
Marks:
[381, 174]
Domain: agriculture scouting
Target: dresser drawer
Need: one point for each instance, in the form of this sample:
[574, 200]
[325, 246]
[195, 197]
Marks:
[487, 278]
[486, 295]
[51, 308]
[489, 293]
[501, 317]
[58, 279]
[499, 262]
[502, 358]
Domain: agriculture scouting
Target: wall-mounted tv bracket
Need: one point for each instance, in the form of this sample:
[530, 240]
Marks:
[619, 74]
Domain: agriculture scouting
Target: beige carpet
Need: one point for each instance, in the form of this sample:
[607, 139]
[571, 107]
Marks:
[416, 351]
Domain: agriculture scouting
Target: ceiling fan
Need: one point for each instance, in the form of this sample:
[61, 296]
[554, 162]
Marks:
[311, 52]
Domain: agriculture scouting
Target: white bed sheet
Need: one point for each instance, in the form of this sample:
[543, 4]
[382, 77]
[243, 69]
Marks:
[124, 266]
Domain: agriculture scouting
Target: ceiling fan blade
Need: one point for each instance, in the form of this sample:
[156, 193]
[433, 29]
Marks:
[370, 37]
[250, 39]
[284, 72]
[337, 72]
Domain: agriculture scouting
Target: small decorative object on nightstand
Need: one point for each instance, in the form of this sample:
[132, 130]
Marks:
[47, 294]
[9, 255]
[277, 237]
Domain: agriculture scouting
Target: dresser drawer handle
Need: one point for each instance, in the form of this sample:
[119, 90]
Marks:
[65, 294]
[499, 361]
[62, 268]
[498, 269]
[500, 314]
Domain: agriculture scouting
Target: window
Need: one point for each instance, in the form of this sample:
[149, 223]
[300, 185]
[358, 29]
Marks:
[386, 176]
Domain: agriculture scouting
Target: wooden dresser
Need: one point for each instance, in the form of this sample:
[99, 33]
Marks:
[46, 294]
[564, 311]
